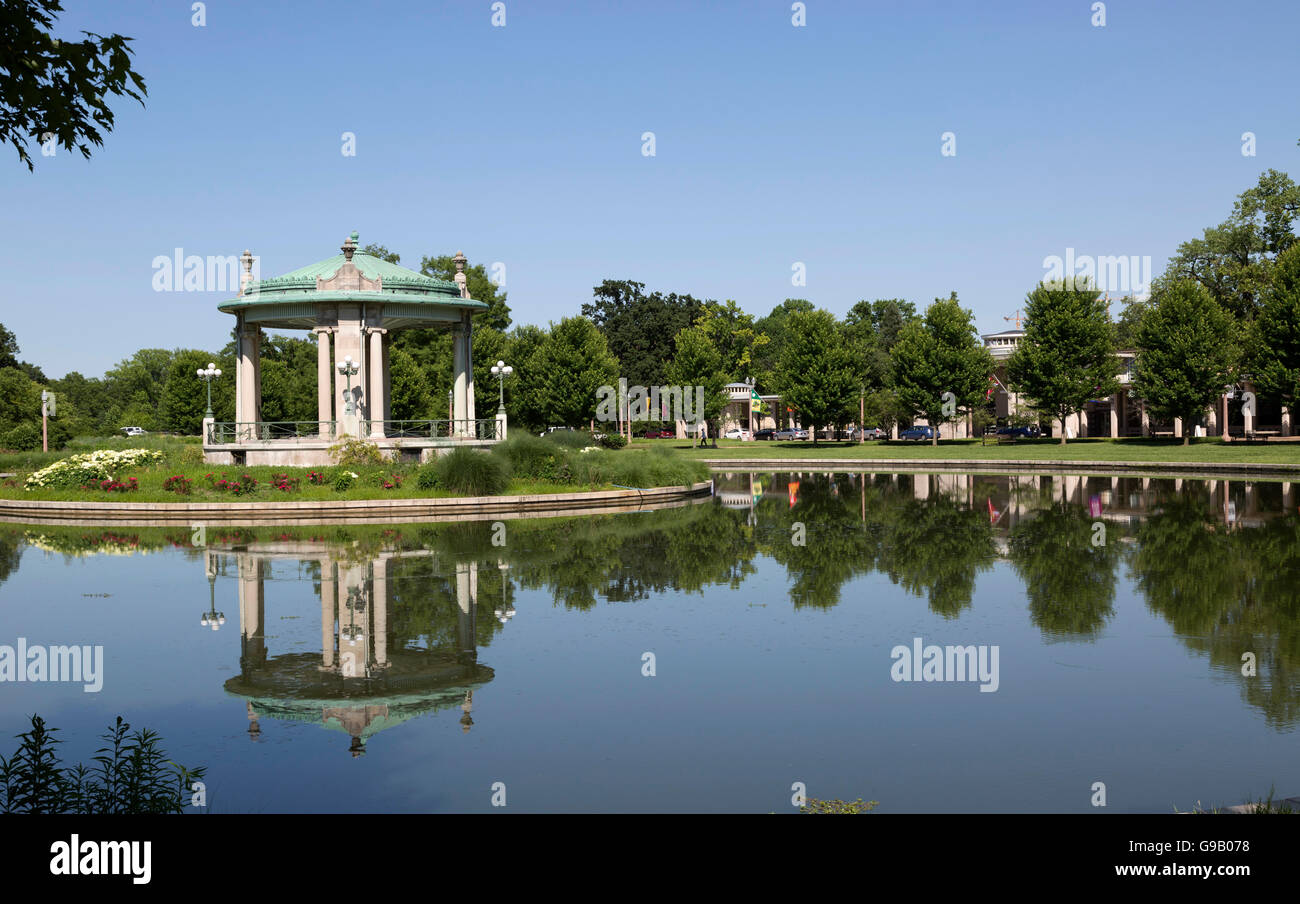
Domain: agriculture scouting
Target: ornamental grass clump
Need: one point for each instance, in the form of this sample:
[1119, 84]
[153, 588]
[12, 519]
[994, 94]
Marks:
[532, 457]
[473, 473]
[90, 467]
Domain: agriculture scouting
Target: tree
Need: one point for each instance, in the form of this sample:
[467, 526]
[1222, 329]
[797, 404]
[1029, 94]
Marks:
[940, 367]
[816, 373]
[382, 253]
[8, 348]
[1186, 353]
[20, 410]
[524, 402]
[411, 398]
[698, 362]
[480, 286]
[1234, 260]
[734, 334]
[58, 88]
[639, 328]
[1130, 318]
[567, 370]
[767, 358]
[185, 394]
[1276, 357]
[1067, 355]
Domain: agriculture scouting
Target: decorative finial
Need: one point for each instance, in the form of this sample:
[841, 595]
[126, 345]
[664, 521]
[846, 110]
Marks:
[460, 278]
[349, 246]
[247, 276]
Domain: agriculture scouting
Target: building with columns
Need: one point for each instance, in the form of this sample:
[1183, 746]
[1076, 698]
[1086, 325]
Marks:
[1124, 414]
[353, 303]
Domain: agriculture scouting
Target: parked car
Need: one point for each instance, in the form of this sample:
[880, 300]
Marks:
[791, 433]
[554, 429]
[874, 433]
[659, 434]
[134, 431]
[737, 433]
[917, 433]
[1029, 432]
[765, 433]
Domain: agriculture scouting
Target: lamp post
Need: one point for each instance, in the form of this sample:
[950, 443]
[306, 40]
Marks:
[505, 611]
[502, 370]
[212, 618]
[348, 368]
[207, 375]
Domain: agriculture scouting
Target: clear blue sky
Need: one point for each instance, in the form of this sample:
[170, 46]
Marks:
[522, 144]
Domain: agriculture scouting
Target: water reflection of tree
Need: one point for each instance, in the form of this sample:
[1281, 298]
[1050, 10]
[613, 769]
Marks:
[1227, 593]
[934, 548]
[11, 551]
[1070, 582]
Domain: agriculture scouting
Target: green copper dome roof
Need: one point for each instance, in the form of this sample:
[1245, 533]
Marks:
[398, 285]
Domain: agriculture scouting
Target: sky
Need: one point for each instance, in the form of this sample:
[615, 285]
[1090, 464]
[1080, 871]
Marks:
[775, 145]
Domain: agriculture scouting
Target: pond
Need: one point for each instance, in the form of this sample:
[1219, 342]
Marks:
[937, 643]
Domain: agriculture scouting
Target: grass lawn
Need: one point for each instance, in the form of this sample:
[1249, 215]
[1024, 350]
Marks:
[1135, 449]
[184, 456]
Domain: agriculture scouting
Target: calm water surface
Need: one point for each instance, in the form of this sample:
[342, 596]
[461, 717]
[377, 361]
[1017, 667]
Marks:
[372, 669]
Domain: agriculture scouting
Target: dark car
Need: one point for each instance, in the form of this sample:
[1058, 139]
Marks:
[765, 433]
[1028, 432]
[917, 433]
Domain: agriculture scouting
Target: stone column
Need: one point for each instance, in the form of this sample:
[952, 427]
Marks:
[328, 607]
[376, 399]
[459, 381]
[248, 373]
[388, 380]
[252, 610]
[1247, 418]
[1178, 427]
[469, 373]
[379, 609]
[1146, 421]
[1286, 420]
[1114, 416]
[324, 380]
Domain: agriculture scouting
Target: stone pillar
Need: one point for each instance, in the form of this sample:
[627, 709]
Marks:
[1146, 421]
[469, 373]
[466, 599]
[376, 398]
[1114, 416]
[1247, 418]
[459, 381]
[1178, 427]
[324, 380]
[249, 375]
[252, 610]
[1286, 420]
[379, 608]
[328, 608]
[388, 380]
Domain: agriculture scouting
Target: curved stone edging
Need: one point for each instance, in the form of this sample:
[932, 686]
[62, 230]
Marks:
[1010, 466]
[349, 511]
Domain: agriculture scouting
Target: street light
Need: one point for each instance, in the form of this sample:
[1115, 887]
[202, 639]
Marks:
[502, 370]
[505, 611]
[207, 374]
[348, 368]
[212, 617]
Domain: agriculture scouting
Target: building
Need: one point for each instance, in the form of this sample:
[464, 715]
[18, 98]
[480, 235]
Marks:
[353, 302]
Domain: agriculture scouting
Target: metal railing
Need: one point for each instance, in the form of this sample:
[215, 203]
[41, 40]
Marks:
[257, 431]
[483, 428]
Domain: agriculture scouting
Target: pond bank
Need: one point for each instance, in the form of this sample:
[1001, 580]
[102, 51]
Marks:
[353, 511]
[1184, 469]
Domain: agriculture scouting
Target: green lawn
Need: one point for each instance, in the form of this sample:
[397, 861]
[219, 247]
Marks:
[1203, 450]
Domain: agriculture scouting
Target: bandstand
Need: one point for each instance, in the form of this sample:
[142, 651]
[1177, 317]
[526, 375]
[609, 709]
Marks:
[353, 302]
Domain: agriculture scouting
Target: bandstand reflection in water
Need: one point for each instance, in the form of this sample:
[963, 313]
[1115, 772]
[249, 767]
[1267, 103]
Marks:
[365, 678]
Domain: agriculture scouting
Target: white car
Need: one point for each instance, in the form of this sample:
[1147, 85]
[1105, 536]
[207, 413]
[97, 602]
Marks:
[134, 431]
[737, 433]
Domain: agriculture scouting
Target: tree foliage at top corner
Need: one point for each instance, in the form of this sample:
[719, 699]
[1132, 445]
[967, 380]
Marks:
[58, 88]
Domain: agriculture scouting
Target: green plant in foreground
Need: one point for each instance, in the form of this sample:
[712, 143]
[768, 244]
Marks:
[132, 775]
[473, 473]
[814, 805]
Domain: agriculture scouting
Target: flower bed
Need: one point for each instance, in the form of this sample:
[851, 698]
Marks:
[113, 486]
[90, 467]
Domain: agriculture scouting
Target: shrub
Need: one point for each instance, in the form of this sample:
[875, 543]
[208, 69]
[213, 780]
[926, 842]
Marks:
[352, 452]
[22, 438]
[315, 478]
[426, 478]
[613, 441]
[570, 439]
[533, 457]
[344, 481]
[132, 775]
[179, 484]
[391, 482]
[284, 482]
[473, 473]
